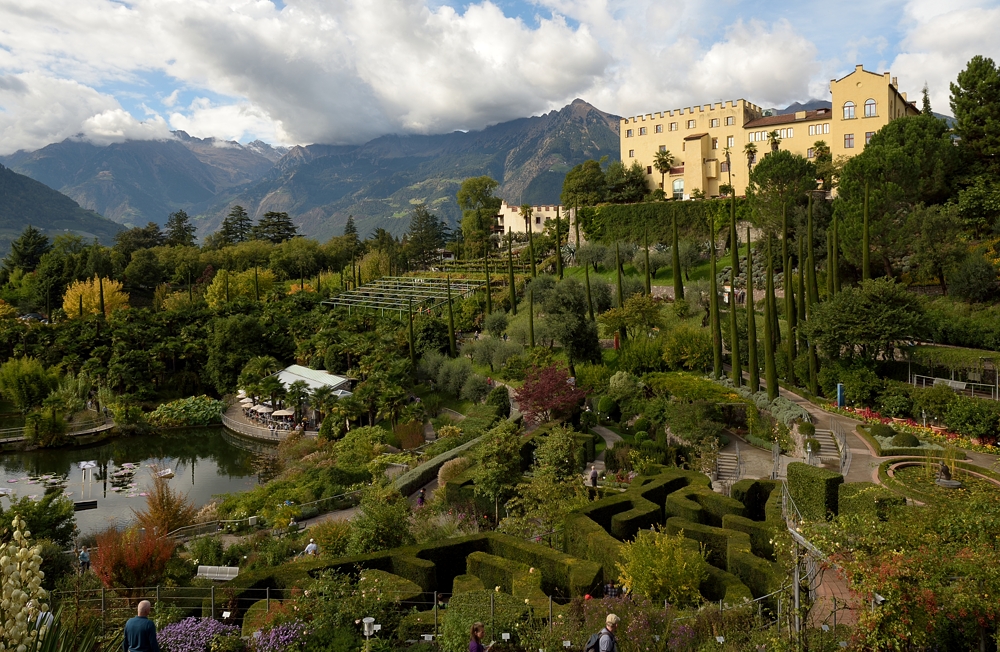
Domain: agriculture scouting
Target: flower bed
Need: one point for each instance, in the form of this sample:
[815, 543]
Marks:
[926, 433]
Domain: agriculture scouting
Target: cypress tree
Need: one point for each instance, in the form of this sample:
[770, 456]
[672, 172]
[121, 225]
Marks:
[836, 256]
[751, 322]
[800, 307]
[813, 289]
[191, 291]
[676, 261]
[510, 268]
[576, 221]
[714, 307]
[531, 247]
[451, 322]
[558, 247]
[413, 350]
[489, 286]
[645, 237]
[813, 299]
[865, 243]
[829, 264]
[788, 280]
[531, 317]
[621, 298]
[100, 283]
[770, 373]
[81, 305]
[256, 285]
[586, 281]
[734, 332]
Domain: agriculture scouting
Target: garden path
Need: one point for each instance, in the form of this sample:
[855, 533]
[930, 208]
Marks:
[609, 437]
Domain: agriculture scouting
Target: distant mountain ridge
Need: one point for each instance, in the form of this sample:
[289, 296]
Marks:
[380, 181]
[135, 182]
[24, 201]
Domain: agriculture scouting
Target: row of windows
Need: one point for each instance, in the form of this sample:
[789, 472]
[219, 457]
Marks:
[849, 139]
[760, 136]
[870, 109]
[691, 124]
[819, 130]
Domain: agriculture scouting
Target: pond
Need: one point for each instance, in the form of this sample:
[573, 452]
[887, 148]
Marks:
[205, 462]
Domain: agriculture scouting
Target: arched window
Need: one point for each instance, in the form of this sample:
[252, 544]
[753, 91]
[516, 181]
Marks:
[848, 110]
[678, 188]
[870, 108]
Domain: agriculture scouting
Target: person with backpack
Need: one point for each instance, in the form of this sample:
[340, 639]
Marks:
[604, 640]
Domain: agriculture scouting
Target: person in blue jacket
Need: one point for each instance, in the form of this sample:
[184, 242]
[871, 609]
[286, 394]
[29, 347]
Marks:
[140, 632]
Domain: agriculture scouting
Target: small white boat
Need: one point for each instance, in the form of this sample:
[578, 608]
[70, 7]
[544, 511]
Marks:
[165, 473]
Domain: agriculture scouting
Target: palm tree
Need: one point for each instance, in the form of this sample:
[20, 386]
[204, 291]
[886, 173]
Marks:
[321, 401]
[258, 368]
[663, 161]
[775, 139]
[751, 151]
[298, 393]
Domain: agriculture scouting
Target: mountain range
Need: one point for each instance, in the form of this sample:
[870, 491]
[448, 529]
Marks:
[379, 182]
[24, 201]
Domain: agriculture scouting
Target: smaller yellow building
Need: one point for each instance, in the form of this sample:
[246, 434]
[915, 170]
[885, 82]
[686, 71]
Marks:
[709, 144]
[509, 217]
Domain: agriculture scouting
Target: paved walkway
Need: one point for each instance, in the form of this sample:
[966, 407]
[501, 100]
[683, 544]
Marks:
[610, 438]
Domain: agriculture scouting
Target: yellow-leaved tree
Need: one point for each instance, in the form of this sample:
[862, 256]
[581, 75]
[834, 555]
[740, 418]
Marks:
[21, 628]
[84, 297]
[662, 566]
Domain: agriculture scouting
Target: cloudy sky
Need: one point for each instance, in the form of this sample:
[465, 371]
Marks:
[344, 71]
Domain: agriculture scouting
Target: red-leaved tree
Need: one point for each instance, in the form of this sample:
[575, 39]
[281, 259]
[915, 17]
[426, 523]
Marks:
[130, 559]
[547, 394]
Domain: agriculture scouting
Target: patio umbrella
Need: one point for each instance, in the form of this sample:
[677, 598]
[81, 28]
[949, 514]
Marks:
[247, 401]
[263, 409]
[284, 413]
[241, 394]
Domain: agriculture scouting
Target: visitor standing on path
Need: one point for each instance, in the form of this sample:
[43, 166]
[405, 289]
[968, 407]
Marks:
[84, 560]
[593, 476]
[140, 632]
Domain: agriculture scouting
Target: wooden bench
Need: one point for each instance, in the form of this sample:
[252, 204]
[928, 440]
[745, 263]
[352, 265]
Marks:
[220, 573]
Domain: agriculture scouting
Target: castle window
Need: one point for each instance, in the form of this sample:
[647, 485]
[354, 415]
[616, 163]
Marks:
[649, 169]
[628, 133]
[791, 132]
[642, 131]
[538, 220]
[848, 110]
[715, 122]
[730, 121]
[663, 148]
[715, 143]
[678, 188]
[659, 129]
[870, 108]
[673, 126]
[631, 153]
[730, 141]
[868, 136]
[810, 153]
[691, 124]
[826, 128]
[848, 141]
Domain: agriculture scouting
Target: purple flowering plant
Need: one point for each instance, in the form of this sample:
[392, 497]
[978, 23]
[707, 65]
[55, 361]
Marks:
[193, 634]
[284, 637]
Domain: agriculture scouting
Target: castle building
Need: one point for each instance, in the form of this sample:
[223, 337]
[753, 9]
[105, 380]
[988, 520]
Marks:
[699, 137]
[509, 218]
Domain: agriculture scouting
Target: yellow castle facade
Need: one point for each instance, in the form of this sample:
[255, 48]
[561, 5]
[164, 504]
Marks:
[698, 138]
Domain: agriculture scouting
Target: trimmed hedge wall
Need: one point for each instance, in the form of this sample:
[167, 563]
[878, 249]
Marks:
[466, 583]
[761, 534]
[894, 451]
[814, 490]
[715, 539]
[496, 571]
[720, 585]
[699, 504]
[586, 448]
[408, 483]
[754, 495]
[867, 499]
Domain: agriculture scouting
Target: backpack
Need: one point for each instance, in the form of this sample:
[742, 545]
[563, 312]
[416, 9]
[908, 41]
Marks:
[594, 642]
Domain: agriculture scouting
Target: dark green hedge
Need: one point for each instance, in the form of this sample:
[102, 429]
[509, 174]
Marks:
[754, 495]
[867, 499]
[561, 574]
[586, 446]
[720, 585]
[466, 583]
[699, 504]
[761, 534]
[408, 483]
[611, 222]
[772, 509]
[495, 571]
[715, 539]
[814, 490]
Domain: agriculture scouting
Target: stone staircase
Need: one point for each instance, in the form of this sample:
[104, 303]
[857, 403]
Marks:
[728, 467]
[827, 445]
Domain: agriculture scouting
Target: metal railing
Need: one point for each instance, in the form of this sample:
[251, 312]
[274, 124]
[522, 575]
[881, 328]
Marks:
[258, 432]
[78, 428]
[739, 462]
[964, 387]
[840, 436]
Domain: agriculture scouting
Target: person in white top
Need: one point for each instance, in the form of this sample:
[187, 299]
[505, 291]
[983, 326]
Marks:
[312, 548]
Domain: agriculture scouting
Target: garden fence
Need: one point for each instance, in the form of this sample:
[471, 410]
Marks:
[113, 608]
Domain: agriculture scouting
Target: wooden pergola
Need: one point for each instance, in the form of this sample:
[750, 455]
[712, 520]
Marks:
[401, 293]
